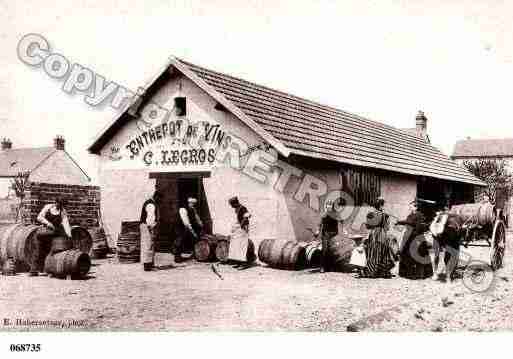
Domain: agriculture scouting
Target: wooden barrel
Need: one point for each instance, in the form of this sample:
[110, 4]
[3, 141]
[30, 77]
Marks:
[222, 248]
[484, 213]
[17, 242]
[313, 254]
[130, 227]
[100, 247]
[61, 244]
[281, 254]
[339, 252]
[129, 243]
[81, 238]
[74, 263]
[9, 267]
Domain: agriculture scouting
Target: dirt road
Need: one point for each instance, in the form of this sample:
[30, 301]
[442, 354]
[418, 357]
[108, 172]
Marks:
[123, 297]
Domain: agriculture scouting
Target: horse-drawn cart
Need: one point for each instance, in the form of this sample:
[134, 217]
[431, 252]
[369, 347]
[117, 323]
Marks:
[477, 224]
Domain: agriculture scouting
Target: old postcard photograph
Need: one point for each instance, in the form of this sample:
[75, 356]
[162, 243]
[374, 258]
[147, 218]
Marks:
[255, 166]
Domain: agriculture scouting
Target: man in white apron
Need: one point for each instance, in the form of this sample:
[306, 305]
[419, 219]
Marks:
[148, 228]
[240, 249]
[188, 228]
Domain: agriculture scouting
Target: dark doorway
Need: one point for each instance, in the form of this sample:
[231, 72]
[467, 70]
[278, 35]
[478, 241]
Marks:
[176, 189]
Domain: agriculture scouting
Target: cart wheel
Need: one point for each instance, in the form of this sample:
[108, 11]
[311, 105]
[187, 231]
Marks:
[498, 246]
[478, 277]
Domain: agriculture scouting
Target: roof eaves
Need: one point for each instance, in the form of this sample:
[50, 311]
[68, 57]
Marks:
[474, 181]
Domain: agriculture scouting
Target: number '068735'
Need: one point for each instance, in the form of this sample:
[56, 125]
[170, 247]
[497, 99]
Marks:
[25, 347]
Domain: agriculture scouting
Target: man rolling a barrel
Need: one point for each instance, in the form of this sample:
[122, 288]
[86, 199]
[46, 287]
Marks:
[148, 228]
[189, 228]
[55, 223]
[328, 228]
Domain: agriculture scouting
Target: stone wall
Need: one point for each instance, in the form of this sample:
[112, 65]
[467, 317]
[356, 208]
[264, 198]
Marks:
[83, 202]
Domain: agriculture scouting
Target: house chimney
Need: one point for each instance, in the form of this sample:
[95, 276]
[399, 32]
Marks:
[421, 125]
[58, 143]
[6, 144]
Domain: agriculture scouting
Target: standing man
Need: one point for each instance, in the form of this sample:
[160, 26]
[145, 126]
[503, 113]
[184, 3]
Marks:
[148, 227]
[188, 228]
[241, 212]
[241, 248]
[328, 229]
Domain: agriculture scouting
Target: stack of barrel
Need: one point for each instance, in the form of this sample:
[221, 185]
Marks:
[67, 257]
[100, 246]
[129, 242]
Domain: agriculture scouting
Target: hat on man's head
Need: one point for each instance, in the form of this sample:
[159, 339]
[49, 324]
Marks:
[234, 201]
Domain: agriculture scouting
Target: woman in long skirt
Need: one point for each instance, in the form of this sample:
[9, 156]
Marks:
[415, 261]
[378, 249]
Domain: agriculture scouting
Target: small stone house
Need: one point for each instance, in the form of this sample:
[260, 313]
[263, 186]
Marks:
[50, 172]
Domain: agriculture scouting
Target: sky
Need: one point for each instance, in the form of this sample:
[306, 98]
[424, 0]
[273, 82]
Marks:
[384, 60]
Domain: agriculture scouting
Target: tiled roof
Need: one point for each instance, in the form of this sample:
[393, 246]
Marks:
[18, 160]
[311, 129]
[484, 148]
[303, 127]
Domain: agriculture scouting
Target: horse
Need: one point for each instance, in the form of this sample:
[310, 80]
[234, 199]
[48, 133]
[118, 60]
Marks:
[447, 233]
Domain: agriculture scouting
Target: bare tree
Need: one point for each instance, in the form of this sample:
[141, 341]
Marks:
[19, 185]
[495, 173]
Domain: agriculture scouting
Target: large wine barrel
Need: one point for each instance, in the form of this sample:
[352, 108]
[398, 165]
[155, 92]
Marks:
[100, 246]
[484, 213]
[339, 252]
[281, 254]
[82, 239]
[74, 263]
[17, 242]
[129, 243]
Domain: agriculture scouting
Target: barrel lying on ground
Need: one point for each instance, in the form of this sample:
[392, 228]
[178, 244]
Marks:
[313, 254]
[74, 263]
[282, 254]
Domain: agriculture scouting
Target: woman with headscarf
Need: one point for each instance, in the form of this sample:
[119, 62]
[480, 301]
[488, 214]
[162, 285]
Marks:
[378, 249]
[415, 261]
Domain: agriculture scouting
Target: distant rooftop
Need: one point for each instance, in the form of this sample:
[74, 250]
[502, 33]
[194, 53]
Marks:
[14, 161]
[471, 148]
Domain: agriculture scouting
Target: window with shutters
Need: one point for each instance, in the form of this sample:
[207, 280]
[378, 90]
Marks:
[363, 184]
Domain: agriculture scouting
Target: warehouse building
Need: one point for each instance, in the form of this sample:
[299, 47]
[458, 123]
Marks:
[197, 132]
